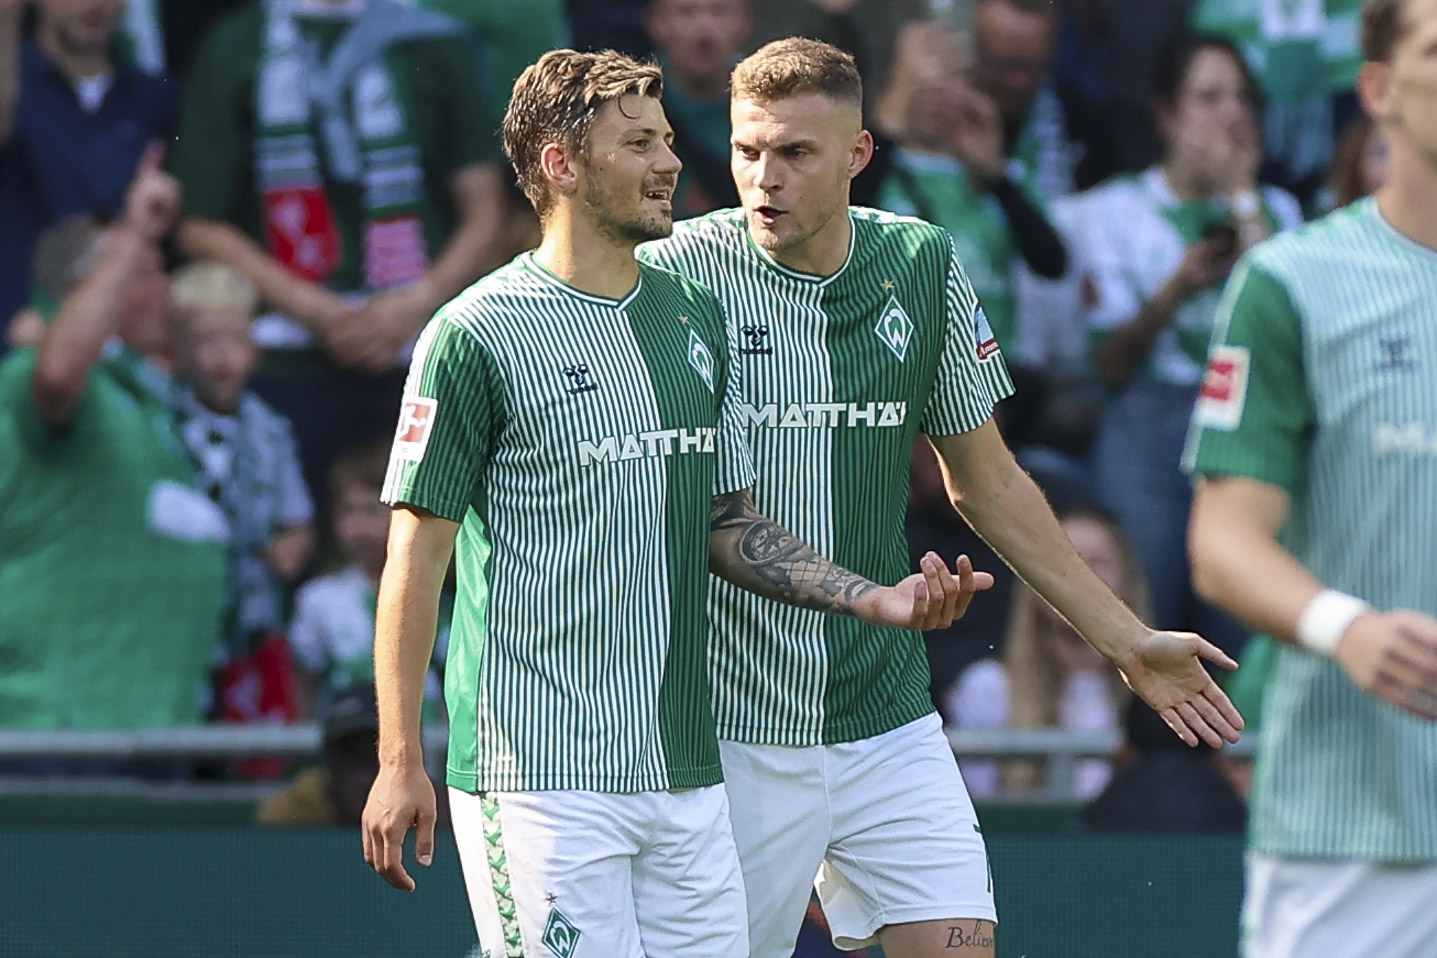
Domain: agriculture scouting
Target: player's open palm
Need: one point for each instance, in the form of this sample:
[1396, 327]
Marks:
[1166, 671]
[1393, 655]
[933, 598]
[401, 798]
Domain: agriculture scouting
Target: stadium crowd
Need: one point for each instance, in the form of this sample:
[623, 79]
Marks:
[223, 224]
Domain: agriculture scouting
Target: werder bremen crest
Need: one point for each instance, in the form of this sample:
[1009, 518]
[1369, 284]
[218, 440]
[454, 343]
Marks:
[895, 329]
[561, 936]
[701, 359]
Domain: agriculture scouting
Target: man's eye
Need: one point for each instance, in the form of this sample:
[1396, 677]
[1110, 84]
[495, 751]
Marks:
[641, 143]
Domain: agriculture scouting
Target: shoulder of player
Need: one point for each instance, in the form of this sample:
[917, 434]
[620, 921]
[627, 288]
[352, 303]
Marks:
[883, 228]
[1314, 248]
[721, 228]
[662, 282]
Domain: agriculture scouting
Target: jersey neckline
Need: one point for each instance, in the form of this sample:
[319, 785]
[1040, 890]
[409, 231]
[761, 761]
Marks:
[529, 262]
[767, 258]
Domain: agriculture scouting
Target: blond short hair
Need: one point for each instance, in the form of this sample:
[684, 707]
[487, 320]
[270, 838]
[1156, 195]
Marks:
[212, 285]
[556, 100]
[794, 67]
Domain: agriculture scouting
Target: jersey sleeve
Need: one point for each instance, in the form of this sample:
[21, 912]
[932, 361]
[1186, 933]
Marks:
[451, 413]
[733, 469]
[1254, 414]
[972, 376]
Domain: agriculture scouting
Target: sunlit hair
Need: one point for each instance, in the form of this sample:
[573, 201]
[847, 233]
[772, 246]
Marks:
[1385, 23]
[556, 100]
[211, 285]
[794, 67]
[1035, 674]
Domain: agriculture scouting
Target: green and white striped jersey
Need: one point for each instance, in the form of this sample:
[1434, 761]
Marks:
[580, 441]
[1322, 380]
[840, 373]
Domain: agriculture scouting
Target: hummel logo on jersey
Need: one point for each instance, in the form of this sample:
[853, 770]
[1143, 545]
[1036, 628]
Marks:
[1397, 354]
[756, 338]
[579, 381]
[826, 415]
[895, 329]
[561, 936]
[701, 359]
[651, 445]
[416, 421]
[1414, 438]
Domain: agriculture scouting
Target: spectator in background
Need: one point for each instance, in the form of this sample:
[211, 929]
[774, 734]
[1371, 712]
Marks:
[249, 466]
[509, 34]
[1361, 163]
[332, 634]
[1158, 788]
[698, 43]
[1305, 54]
[341, 156]
[113, 565]
[335, 793]
[952, 168]
[1048, 677]
[74, 120]
[1159, 245]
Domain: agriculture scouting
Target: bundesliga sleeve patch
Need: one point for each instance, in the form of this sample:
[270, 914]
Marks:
[416, 422]
[983, 334]
[1224, 389]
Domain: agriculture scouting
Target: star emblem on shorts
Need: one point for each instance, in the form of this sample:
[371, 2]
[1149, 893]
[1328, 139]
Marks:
[888, 284]
[551, 898]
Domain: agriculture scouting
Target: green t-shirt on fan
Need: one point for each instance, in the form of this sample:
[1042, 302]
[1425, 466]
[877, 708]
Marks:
[112, 563]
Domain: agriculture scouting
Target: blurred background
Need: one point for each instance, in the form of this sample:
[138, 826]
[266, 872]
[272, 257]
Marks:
[222, 225]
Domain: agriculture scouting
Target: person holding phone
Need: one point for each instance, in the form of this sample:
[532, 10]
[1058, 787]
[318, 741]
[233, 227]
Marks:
[1160, 243]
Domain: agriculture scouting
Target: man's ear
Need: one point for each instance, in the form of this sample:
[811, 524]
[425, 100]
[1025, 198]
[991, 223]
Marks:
[860, 154]
[558, 168]
[1374, 89]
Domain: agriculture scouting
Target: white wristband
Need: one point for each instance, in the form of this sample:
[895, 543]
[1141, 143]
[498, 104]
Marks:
[1326, 618]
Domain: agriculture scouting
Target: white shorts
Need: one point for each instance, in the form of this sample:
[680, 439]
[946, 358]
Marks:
[1314, 908]
[574, 874]
[885, 823]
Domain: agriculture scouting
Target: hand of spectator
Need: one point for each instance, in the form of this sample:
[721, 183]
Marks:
[1166, 671]
[400, 799]
[1229, 157]
[289, 551]
[925, 52]
[370, 337]
[1393, 655]
[1205, 264]
[976, 139]
[931, 599]
[152, 201]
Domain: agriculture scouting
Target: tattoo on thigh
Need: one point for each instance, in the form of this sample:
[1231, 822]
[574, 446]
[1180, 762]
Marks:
[981, 936]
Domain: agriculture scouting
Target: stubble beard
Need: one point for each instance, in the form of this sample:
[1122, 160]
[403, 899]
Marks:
[633, 230]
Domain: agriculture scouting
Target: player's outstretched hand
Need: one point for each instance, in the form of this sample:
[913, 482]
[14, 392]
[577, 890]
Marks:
[1393, 655]
[931, 599]
[1166, 671]
[401, 798]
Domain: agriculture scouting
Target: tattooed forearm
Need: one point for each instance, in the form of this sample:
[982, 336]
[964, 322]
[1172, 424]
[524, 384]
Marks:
[755, 553]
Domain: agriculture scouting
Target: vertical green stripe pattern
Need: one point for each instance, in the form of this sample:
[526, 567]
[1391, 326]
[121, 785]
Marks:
[836, 385]
[577, 441]
[1340, 774]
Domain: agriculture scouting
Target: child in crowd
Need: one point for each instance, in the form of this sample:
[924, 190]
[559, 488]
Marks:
[332, 635]
[248, 464]
[1048, 676]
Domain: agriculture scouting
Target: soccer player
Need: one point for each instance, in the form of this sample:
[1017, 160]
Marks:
[572, 420]
[1315, 520]
[858, 330]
